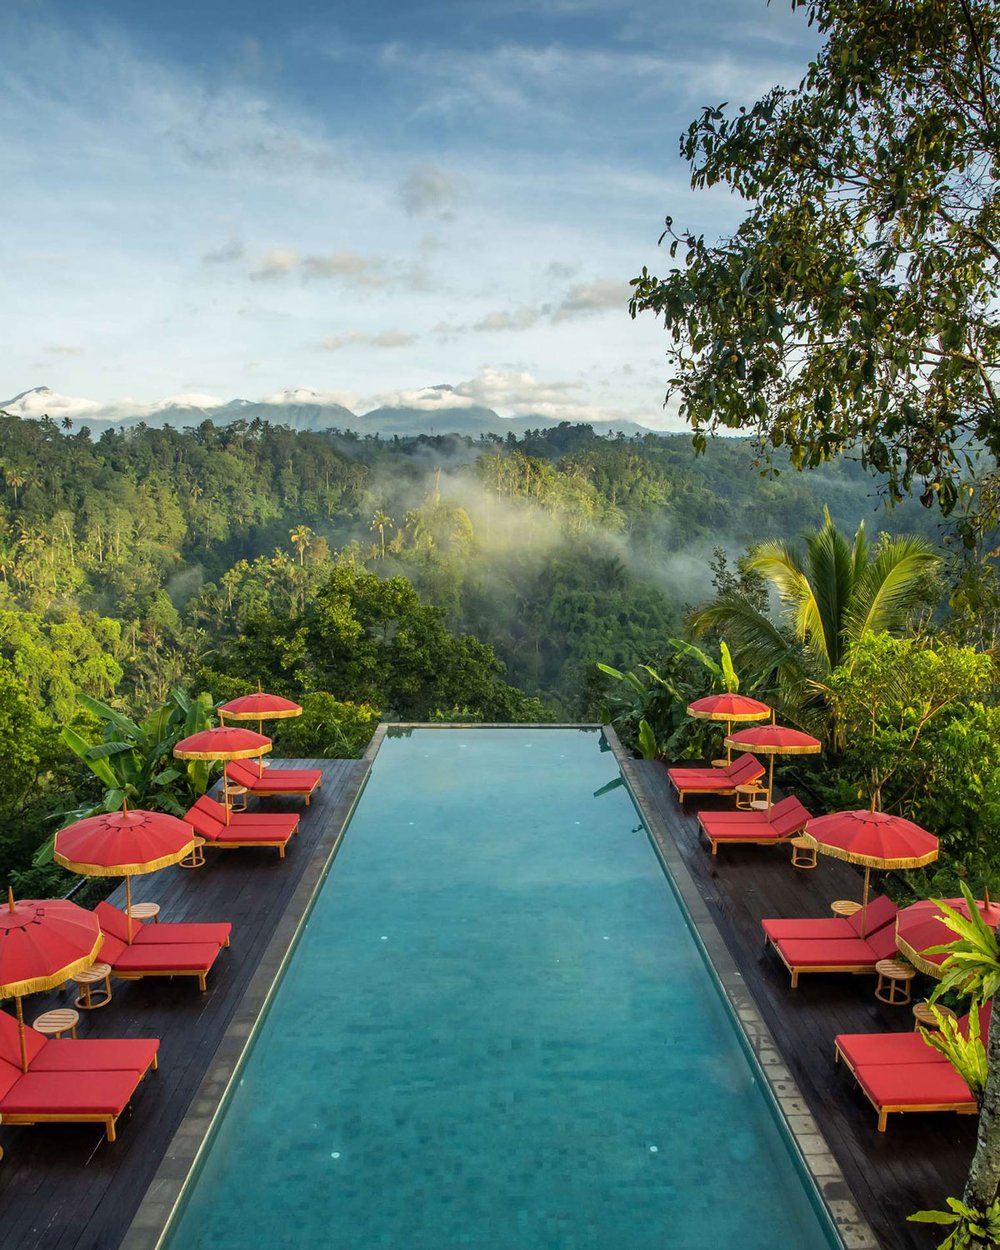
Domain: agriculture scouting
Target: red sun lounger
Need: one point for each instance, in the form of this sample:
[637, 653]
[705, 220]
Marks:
[881, 911]
[166, 959]
[933, 1086]
[754, 828]
[115, 922]
[291, 782]
[854, 955]
[70, 1081]
[715, 780]
[208, 819]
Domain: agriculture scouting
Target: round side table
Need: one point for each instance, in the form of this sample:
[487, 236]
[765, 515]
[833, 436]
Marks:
[893, 986]
[922, 1015]
[146, 911]
[94, 975]
[238, 797]
[803, 853]
[56, 1023]
[197, 857]
[720, 763]
[747, 794]
[840, 907]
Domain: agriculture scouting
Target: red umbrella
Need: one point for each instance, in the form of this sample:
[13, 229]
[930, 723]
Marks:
[874, 839]
[224, 743]
[728, 707]
[921, 926]
[123, 844]
[774, 740]
[43, 942]
[259, 707]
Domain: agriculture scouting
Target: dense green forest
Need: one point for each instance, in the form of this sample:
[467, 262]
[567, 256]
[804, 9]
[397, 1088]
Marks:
[415, 579]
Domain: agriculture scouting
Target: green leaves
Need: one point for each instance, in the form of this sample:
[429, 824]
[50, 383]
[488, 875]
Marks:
[972, 1229]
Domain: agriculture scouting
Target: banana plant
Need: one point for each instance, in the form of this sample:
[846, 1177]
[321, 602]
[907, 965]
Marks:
[133, 760]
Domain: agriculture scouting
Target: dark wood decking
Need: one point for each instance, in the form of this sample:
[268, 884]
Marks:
[921, 1159]
[64, 1186]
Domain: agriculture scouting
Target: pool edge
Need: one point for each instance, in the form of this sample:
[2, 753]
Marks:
[807, 1137]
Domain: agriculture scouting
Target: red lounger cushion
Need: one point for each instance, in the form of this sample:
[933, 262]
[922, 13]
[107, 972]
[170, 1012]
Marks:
[914, 1085]
[282, 822]
[10, 1047]
[115, 922]
[741, 770]
[10, 1074]
[869, 1049]
[881, 911]
[786, 818]
[102, 1054]
[838, 952]
[152, 959]
[291, 780]
[70, 1093]
[213, 829]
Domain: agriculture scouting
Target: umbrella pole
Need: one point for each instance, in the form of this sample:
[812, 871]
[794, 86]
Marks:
[20, 1034]
[864, 899]
[770, 786]
[729, 734]
[260, 758]
[225, 792]
[128, 908]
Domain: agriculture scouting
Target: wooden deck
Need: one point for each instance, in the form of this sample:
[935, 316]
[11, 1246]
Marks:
[64, 1186]
[921, 1159]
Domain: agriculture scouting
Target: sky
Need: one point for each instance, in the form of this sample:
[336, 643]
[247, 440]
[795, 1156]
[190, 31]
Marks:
[232, 198]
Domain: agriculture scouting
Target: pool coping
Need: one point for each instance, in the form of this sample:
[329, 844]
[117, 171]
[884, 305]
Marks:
[809, 1142]
[151, 1221]
[159, 1203]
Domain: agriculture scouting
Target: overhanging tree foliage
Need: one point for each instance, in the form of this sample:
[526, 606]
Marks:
[855, 304]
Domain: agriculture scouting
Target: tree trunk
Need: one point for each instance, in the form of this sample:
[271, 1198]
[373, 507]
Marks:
[984, 1171]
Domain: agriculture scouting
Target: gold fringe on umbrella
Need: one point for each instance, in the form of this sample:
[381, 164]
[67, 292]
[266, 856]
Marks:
[871, 861]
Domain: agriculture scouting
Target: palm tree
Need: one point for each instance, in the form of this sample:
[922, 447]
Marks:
[301, 537]
[67, 423]
[15, 479]
[831, 595]
[381, 521]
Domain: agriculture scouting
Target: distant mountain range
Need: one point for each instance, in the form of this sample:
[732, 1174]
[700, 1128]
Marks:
[436, 410]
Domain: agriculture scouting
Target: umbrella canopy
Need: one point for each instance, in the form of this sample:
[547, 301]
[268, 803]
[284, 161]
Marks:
[123, 844]
[259, 707]
[774, 740]
[43, 942]
[921, 927]
[225, 743]
[728, 707]
[874, 840]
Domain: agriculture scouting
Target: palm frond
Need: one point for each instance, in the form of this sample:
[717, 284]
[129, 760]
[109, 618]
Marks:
[887, 589]
[831, 577]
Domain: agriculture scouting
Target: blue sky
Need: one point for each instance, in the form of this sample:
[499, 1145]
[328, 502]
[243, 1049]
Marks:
[231, 199]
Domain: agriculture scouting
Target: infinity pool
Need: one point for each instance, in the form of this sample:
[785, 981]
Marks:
[497, 1031]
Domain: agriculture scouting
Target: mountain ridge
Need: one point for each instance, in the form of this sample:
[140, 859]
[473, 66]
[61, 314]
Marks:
[299, 408]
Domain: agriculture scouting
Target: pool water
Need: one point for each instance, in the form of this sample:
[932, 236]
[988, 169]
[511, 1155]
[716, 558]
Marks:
[497, 1031]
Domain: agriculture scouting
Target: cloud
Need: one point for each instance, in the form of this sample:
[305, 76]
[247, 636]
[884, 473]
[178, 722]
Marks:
[341, 265]
[62, 349]
[428, 191]
[384, 339]
[559, 272]
[592, 297]
[278, 263]
[225, 254]
[522, 318]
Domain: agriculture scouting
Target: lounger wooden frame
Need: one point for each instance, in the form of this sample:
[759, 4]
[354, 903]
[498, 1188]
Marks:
[200, 973]
[884, 1110]
[856, 970]
[27, 1118]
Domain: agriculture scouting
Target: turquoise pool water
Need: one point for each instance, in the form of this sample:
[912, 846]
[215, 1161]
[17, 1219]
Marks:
[497, 1031]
